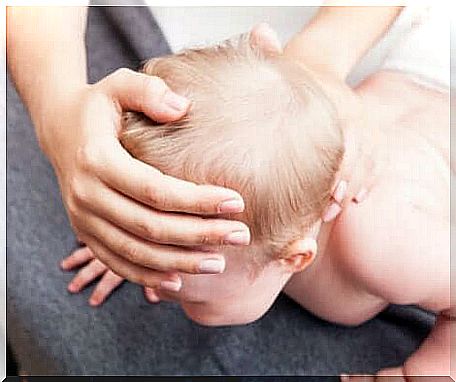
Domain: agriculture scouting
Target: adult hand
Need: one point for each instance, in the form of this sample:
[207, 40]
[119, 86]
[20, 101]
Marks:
[127, 212]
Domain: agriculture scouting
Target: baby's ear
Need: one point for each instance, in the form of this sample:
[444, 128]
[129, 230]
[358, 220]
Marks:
[264, 38]
[299, 254]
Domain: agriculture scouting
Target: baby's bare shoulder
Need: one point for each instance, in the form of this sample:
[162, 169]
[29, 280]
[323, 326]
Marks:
[393, 248]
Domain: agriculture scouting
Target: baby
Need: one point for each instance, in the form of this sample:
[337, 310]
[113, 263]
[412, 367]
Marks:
[277, 143]
[274, 131]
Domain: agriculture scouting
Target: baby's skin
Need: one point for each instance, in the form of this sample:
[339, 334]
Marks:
[394, 246]
[389, 246]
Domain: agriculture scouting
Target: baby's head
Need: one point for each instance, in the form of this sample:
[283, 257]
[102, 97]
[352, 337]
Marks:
[260, 125]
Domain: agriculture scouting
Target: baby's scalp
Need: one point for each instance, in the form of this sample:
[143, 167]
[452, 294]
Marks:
[257, 124]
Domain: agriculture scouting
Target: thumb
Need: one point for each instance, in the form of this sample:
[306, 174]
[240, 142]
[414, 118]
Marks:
[143, 93]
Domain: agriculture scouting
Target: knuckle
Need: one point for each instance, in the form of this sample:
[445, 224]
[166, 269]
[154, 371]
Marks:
[162, 235]
[73, 209]
[154, 197]
[88, 157]
[190, 266]
[83, 238]
[121, 73]
[153, 90]
[212, 233]
[200, 207]
[150, 231]
[143, 278]
[128, 250]
[204, 239]
[216, 231]
[156, 86]
[79, 195]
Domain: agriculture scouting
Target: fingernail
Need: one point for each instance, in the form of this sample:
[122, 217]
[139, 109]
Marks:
[212, 266]
[172, 286]
[176, 101]
[360, 196]
[237, 238]
[332, 211]
[344, 378]
[341, 190]
[231, 206]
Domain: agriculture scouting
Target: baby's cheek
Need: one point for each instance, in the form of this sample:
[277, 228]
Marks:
[199, 288]
[204, 288]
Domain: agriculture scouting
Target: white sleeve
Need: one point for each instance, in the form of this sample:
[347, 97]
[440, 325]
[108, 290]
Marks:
[423, 49]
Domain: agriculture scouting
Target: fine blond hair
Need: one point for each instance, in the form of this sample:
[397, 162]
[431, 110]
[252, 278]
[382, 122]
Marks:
[257, 124]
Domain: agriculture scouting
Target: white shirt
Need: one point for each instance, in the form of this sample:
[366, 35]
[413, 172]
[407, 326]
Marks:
[424, 47]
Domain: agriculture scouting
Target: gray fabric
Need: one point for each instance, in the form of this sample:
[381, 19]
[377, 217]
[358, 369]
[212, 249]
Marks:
[53, 332]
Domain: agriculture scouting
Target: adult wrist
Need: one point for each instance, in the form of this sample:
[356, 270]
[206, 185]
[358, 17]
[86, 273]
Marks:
[49, 111]
[314, 47]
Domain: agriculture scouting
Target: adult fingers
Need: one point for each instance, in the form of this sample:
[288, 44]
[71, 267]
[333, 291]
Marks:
[130, 271]
[165, 228]
[79, 257]
[86, 275]
[105, 287]
[148, 94]
[165, 295]
[340, 192]
[164, 258]
[162, 192]
[337, 198]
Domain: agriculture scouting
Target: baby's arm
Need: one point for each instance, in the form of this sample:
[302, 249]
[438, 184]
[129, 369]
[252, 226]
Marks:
[434, 357]
[92, 269]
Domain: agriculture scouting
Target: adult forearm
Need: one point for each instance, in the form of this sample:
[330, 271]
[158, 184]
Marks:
[46, 56]
[338, 36]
